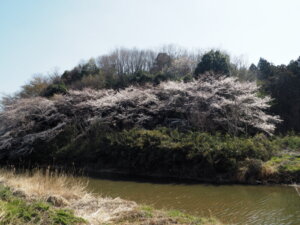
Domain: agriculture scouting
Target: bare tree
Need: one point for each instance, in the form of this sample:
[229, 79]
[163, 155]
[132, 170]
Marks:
[126, 61]
[35, 86]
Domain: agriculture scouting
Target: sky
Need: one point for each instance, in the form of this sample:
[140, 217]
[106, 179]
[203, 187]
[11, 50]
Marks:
[39, 36]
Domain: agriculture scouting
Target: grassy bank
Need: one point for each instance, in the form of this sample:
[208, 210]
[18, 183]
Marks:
[16, 210]
[193, 155]
[45, 197]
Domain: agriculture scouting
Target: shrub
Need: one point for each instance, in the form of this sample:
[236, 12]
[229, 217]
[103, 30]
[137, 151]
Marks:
[215, 61]
[166, 150]
[289, 142]
[54, 89]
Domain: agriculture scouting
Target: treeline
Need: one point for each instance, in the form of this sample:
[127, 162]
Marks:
[126, 67]
[282, 83]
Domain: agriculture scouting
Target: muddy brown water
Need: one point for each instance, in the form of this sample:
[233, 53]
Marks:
[231, 204]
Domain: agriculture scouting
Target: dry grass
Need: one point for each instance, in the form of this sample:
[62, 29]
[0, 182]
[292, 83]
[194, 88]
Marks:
[41, 185]
[268, 170]
[101, 210]
[44, 183]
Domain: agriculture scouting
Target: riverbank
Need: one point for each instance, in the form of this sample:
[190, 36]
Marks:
[269, 173]
[171, 153]
[51, 198]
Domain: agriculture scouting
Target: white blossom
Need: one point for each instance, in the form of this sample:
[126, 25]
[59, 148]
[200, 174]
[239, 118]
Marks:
[211, 103]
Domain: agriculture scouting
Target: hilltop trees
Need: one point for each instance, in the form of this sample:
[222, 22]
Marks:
[214, 61]
[35, 87]
[123, 68]
[53, 89]
[83, 69]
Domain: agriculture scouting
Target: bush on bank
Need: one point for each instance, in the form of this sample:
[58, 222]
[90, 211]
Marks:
[166, 151]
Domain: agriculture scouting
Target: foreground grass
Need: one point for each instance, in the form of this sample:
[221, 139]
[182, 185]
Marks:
[45, 197]
[17, 211]
[148, 215]
[41, 184]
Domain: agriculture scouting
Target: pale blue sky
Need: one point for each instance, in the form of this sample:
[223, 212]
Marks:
[37, 36]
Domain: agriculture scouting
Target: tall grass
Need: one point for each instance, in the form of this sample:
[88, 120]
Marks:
[43, 183]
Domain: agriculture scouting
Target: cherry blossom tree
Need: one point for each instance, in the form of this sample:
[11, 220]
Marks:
[211, 103]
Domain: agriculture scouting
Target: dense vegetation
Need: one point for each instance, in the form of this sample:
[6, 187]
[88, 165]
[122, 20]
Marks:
[282, 83]
[218, 116]
[165, 152]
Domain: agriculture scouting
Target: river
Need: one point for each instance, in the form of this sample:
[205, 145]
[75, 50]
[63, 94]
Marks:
[231, 204]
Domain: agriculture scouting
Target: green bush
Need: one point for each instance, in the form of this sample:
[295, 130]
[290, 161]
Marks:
[288, 142]
[54, 89]
[140, 78]
[166, 151]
